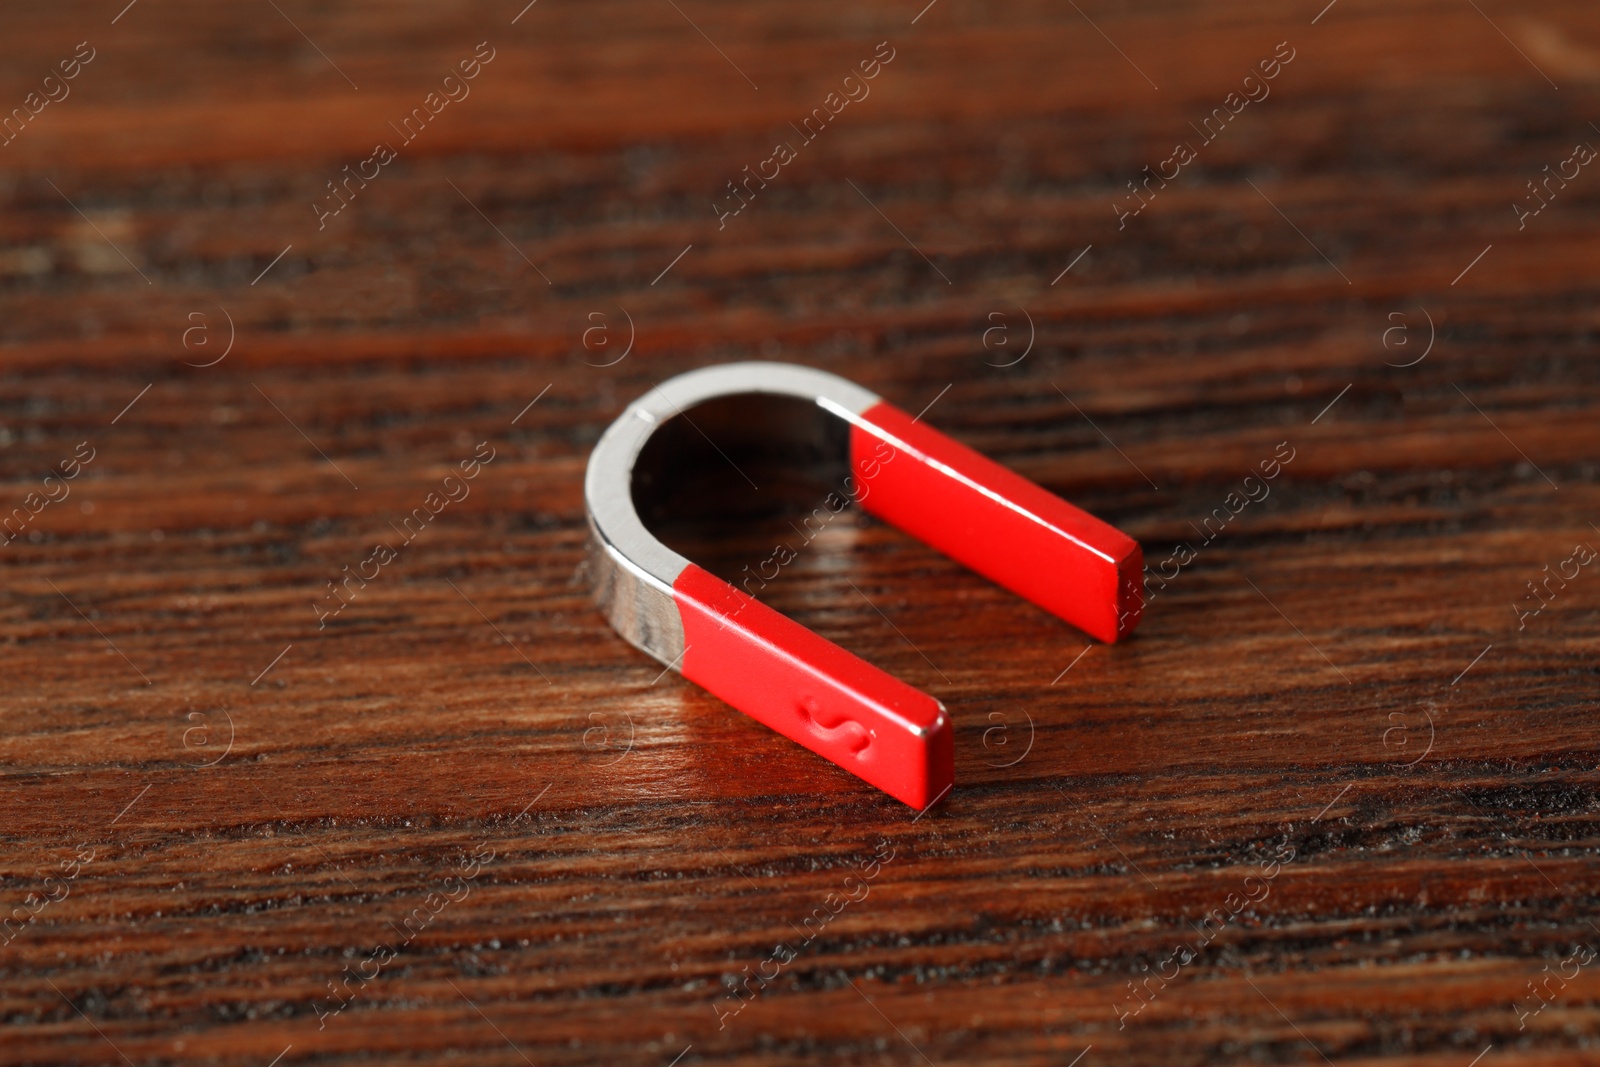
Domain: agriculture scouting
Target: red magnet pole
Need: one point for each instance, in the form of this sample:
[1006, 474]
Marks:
[866, 721]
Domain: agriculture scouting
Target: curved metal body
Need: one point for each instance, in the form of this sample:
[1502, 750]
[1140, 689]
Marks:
[634, 572]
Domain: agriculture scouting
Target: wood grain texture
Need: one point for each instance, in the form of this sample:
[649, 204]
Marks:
[1339, 680]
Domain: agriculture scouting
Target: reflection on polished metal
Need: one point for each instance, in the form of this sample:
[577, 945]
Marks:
[893, 466]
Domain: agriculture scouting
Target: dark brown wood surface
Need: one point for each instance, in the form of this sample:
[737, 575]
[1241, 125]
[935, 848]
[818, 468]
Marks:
[1340, 697]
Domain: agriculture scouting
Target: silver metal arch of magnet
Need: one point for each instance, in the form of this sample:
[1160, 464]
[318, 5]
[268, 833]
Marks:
[894, 466]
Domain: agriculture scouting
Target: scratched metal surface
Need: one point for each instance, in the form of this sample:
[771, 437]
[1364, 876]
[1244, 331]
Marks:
[1331, 359]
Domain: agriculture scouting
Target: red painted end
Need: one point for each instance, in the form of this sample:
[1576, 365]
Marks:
[1029, 540]
[814, 692]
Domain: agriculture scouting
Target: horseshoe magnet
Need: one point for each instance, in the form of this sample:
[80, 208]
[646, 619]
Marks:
[896, 467]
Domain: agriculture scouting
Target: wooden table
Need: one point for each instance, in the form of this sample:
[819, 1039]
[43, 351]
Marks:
[1335, 800]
